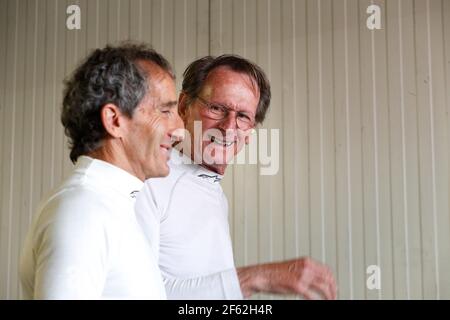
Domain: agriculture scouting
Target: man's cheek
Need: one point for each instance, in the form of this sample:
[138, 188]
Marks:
[157, 126]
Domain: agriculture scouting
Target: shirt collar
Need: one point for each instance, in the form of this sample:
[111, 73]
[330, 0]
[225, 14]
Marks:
[208, 175]
[178, 158]
[110, 175]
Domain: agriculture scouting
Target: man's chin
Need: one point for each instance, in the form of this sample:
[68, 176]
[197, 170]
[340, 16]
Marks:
[217, 168]
[162, 172]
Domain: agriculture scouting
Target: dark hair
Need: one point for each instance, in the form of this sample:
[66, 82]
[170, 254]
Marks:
[196, 73]
[108, 75]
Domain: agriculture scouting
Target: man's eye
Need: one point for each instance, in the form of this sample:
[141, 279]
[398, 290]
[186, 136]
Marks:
[215, 108]
[244, 117]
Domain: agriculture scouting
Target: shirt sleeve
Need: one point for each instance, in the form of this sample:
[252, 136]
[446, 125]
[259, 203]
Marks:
[71, 251]
[218, 286]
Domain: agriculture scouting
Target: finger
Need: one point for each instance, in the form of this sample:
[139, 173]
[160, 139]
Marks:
[323, 280]
[323, 289]
[334, 289]
[322, 273]
[308, 296]
[319, 274]
[306, 293]
[331, 283]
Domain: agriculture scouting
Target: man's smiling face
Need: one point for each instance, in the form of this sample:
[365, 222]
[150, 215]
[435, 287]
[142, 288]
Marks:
[221, 139]
[154, 126]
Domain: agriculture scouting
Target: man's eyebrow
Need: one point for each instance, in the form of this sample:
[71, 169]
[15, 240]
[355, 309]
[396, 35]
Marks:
[169, 104]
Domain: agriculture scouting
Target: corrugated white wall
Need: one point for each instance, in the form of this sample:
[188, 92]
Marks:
[363, 117]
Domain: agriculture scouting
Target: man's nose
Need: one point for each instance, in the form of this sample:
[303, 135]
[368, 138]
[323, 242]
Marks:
[229, 122]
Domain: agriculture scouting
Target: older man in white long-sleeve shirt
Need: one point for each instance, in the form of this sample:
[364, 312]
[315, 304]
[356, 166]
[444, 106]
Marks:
[193, 245]
[226, 96]
[120, 114]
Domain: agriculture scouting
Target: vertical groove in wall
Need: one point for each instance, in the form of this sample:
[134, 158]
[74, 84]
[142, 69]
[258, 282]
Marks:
[405, 183]
[286, 201]
[185, 19]
[418, 151]
[161, 35]
[321, 133]
[27, 145]
[329, 227]
[118, 20]
[279, 202]
[375, 142]
[269, 71]
[308, 126]
[295, 115]
[332, 240]
[391, 291]
[335, 50]
[361, 119]
[97, 19]
[57, 159]
[349, 183]
[60, 38]
[3, 39]
[108, 29]
[3, 143]
[433, 160]
[140, 20]
[12, 142]
[446, 54]
[20, 138]
[129, 20]
[58, 142]
[58, 156]
[48, 79]
[33, 115]
[4, 28]
[90, 25]
[446, 40]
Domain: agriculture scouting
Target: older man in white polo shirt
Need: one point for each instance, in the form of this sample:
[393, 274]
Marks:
[120, 115]
[227, 96]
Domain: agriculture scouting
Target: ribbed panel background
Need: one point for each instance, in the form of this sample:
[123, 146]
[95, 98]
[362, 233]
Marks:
[363, 117]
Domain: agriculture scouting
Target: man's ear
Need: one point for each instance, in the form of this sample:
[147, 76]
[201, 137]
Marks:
[183, 105]
[112, 120]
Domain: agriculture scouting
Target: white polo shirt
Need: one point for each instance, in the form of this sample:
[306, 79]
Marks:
[85, 242]
[195, 252]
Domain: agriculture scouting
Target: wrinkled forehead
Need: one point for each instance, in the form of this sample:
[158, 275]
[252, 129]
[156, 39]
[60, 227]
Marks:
[224, 77]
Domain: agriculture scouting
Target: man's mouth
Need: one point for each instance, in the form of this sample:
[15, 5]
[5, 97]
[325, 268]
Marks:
[166, 148]
[221, 142]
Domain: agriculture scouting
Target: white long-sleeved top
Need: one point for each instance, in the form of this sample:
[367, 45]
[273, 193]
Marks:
[85, 242]
[193, 245]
